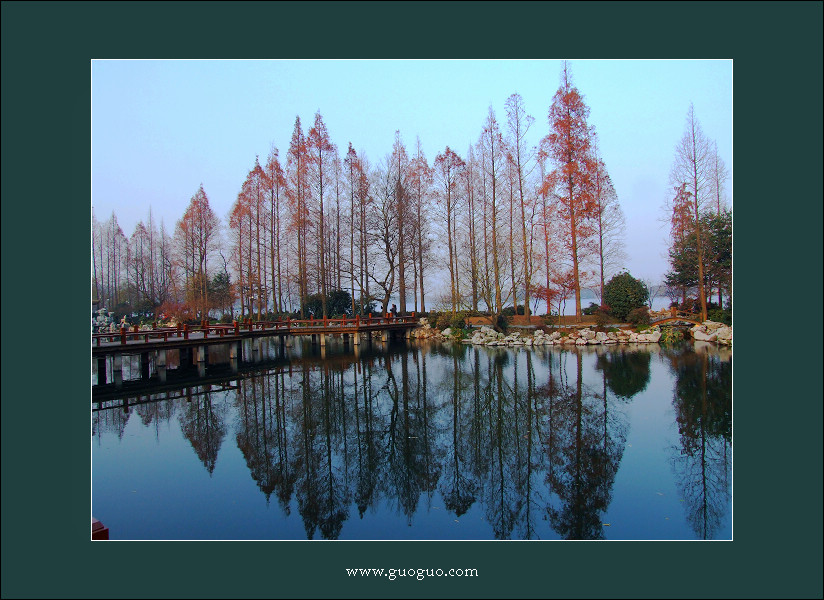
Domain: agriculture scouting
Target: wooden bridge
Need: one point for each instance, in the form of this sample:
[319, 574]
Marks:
[675, 317]
[193, 341]
[173, 337]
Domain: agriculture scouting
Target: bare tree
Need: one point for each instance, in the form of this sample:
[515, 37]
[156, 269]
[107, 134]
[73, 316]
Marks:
[493, 165]
[448, 168]
[383, 232]
[609, 224]
[693, 168]
[519, 123]
[720, 173]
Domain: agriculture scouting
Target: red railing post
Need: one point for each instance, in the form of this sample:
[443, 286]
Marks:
[123, 335]
[357, 321]
[185, 331]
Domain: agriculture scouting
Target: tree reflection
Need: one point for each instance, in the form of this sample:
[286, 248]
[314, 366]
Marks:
[367, 459]
[591, 446]
[458, 488]
[109, 421]
[202, 423]
[527, 442]
[625, 371]
[411, 468]
[262, 436]
[703, 406]
[157, 411]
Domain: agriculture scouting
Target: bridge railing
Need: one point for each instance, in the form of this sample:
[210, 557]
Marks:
[207, 330]
[674, 315]
[355, 322]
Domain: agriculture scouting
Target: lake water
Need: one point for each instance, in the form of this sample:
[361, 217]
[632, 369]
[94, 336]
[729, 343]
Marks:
[424, 441]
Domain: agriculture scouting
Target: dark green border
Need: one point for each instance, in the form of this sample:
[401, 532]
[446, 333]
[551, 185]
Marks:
[46, 52]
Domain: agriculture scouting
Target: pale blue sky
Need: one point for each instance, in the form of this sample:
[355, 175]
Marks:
[161, 128]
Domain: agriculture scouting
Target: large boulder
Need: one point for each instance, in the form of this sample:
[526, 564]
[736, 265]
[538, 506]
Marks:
[724, 335]
[703, 336]
[711, 326]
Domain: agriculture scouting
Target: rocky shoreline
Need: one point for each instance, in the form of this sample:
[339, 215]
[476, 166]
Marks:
[709, 331]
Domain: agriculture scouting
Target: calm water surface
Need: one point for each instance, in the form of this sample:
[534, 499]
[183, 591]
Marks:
[424, 441]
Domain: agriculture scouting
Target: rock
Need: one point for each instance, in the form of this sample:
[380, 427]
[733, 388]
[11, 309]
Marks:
[446, 332]
[704, 337]
[712, 325]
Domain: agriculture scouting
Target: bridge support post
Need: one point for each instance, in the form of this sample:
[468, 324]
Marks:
[185, 357]
[345, 340]
[356, 338]
[384, 336]
[145, 369]
[323, 340]
[407, 334]
[201, 354]
[101, 371]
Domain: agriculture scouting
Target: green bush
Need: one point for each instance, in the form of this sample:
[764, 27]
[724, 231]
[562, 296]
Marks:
[444, 320]
[623, 293]
[670, 335]
[720, 316]
[601, 318]
[638, 316]
[457, 322]
[691, 305]
[592, 309]
[502, 323]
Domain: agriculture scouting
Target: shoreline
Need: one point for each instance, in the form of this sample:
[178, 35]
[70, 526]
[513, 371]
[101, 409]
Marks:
[708, 331]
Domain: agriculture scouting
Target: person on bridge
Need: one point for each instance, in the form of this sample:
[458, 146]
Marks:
[394, 311]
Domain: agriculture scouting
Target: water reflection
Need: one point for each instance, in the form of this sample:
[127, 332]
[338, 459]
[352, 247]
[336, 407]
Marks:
[531, 441]
[703, 463]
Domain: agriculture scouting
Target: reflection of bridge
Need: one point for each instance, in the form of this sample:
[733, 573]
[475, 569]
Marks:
[192, 342]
